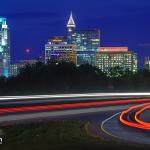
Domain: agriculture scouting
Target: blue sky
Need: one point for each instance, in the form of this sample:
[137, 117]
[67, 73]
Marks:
[122, 23]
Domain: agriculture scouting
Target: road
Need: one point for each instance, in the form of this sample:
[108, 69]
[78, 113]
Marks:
[101, 110]
[131, 124]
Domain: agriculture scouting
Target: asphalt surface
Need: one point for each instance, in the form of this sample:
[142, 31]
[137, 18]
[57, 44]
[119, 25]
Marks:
[115, 129]
[145, 116]
[23, 101]
[60, 114]
[102, 118]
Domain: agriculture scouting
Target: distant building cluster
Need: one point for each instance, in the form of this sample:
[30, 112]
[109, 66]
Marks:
[78, 46]
[83, 46]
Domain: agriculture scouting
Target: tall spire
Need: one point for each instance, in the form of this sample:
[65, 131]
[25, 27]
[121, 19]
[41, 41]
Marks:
[71, 23]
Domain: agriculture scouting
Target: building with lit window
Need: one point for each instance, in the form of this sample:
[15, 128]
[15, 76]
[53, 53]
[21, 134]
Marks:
[58, 50]
[15, 68]
[110, 57]
[147, 63]
[4, 48]
[87, 42]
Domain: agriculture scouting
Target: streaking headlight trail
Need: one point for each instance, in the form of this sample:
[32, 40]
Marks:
[72, 95]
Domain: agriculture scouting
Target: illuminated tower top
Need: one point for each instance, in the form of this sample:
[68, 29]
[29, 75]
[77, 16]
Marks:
[71, 24]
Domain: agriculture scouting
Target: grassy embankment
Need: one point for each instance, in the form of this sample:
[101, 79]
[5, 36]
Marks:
[55, 135]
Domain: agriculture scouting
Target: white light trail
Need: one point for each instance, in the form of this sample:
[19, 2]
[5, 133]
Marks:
[73, 95]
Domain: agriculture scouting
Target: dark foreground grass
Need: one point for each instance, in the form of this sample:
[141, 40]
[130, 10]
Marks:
[57, 135]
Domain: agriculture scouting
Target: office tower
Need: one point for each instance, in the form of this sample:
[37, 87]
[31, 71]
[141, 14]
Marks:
[4, 49]
[110, 57]
[58, 50]
[147, 63]
[71, 27]
[87, 42]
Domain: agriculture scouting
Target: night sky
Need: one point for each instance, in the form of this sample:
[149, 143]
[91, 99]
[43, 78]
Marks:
[122, 23]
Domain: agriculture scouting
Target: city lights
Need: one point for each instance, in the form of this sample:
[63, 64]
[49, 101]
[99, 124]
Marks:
[4, 49]
[82, 47]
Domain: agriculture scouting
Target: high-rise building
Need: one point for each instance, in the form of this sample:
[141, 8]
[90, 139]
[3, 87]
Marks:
[110, 57]
[58, 50]
[4, 48]
[147, 63]
[87, 42]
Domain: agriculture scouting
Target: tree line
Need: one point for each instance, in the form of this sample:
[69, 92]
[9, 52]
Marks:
[66, 77]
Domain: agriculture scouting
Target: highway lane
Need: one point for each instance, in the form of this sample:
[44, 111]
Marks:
[145, 116]
[58, 114]
[128, 126]
[112, 127]
[94, 107]
[130, 117]
[31, 100]
[45, 101]
[23, 107]
[60, 97]
[69, 105]
[74, 95]
[58, 100]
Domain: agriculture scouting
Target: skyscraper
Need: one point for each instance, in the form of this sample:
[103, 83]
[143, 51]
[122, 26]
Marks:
[4, 49]
[87, 42]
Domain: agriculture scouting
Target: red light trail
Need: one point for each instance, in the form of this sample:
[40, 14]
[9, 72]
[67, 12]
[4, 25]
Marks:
[67, 106]
[134, 121]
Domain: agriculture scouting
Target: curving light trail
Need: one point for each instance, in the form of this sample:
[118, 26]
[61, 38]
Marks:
[130, 117]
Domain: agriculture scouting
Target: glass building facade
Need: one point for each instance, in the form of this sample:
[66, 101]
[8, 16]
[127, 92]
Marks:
[4, 49]
[87, 42]
[110, 57]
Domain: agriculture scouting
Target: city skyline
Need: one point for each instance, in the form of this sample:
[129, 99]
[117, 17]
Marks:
[121, 24]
